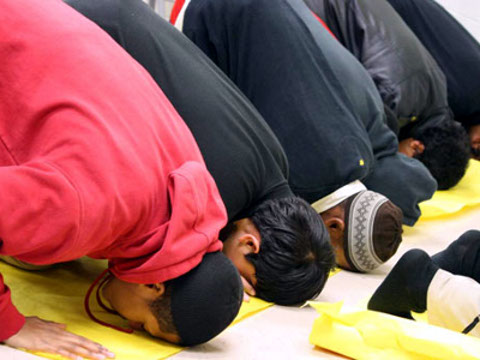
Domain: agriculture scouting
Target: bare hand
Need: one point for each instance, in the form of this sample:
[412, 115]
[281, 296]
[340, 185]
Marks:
[248, 289]
[46, 336]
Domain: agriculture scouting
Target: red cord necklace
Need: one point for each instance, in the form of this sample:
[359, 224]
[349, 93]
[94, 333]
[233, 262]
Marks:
[101, 280]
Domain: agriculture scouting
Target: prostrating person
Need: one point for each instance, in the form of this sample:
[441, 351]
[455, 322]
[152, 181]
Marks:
[79, 177]
[316, 97]
[411, 84]
[457, 53]
[277, 241]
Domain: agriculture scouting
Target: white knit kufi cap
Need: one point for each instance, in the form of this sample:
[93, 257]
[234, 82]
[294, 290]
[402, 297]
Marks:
[359, 247]
[338, 196]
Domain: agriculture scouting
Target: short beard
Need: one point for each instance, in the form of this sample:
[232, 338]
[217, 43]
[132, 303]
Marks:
[475, 153]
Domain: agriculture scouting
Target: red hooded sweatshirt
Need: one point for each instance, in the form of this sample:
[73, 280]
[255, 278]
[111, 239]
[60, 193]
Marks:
[94, 160]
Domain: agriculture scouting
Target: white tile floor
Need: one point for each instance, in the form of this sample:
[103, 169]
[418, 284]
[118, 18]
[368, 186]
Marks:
[282, 332]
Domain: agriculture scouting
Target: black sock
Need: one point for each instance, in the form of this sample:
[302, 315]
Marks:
[405, 287]
[462, 257]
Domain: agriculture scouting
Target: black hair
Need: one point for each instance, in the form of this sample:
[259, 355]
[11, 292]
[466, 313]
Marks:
[295, 256]
[161, 308]
[447, 152]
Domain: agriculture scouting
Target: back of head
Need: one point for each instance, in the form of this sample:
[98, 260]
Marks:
[373, 230]
[205, 300]
[295, 256]
[447, 152]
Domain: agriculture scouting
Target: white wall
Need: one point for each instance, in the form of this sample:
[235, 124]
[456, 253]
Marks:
[163, 7]
[467, 12]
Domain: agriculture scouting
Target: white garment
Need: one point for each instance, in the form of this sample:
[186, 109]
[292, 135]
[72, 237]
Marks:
[179, 21]
[338, 196]
[453, 302]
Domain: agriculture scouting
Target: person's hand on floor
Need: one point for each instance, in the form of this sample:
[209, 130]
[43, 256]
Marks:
[50, 337]
[248, 289]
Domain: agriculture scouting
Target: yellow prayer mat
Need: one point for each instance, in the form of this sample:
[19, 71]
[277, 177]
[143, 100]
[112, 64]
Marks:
[57, 294]
[370, 335]
[334, 271]
[465, 194]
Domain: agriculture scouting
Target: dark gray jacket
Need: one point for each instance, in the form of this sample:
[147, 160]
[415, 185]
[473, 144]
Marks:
[411, 84]
[455, 50]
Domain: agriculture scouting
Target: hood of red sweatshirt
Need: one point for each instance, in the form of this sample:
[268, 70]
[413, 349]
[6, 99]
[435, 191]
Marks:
[178, 245]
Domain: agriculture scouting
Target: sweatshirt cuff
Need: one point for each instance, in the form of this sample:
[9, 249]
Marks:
[12, 321]
[409, 221]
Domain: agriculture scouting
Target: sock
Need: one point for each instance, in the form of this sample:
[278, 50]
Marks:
[462, 257]
[405, 287]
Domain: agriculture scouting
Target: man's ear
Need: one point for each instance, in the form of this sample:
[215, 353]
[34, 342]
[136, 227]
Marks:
[335, 226]
[154, 290]
[474, 133]
[250, 243]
